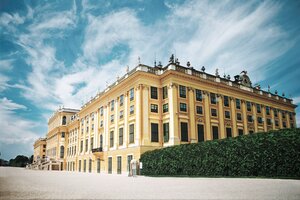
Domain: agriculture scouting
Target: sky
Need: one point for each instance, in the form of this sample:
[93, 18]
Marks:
[61, 53]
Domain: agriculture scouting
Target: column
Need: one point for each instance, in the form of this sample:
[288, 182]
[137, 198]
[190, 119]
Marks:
[191, 105]
[145, 116]
[125, 133]
[221, 117]
[273, 118]
[138, 114]
[173, 110]
[105, 127]
[208, 134]
[116, 130]
[263, 110]
[244, 117]
[233, 117]
[288, 124]
[280, 118]
[96, 130]
[255, 117]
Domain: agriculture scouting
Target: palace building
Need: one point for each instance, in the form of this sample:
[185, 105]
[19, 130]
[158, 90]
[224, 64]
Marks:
[156, 107]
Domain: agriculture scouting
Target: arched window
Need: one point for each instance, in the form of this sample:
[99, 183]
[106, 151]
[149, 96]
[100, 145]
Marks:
[62, 151]
[64, 120]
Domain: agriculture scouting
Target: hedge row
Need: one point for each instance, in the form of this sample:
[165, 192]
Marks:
[272, 154]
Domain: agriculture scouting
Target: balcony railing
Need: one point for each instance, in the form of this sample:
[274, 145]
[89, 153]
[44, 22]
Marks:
[99, 149]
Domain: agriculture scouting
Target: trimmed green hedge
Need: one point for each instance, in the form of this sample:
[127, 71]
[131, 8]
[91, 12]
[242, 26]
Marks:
[272, 154]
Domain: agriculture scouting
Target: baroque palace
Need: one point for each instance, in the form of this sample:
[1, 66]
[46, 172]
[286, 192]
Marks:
[156, 107]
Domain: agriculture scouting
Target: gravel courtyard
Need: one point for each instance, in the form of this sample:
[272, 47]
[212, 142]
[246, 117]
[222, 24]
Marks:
[17, 183]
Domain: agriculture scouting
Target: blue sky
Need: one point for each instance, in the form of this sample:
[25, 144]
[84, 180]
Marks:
[55, 53]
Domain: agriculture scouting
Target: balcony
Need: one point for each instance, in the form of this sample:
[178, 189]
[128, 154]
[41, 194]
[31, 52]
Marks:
[98, 152]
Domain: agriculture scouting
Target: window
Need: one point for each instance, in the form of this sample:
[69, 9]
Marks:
[121, 114]
[101, 111]
[120, 136]
[81, 145]
[84, 166]
[109, 165]
[101, 141]
[275, 113]
[86, 145]
[269, 121]
[62, 151]
[154, 132]
[239, 116]
[64, 120]
[241, 131]
[267, 110]
[276, 123]
[182, 91]
[112, 105]
[249, 118]
[184, 132]
[79, 166]
[291, 116]
[122, 100]
[111, 139]
[101, 123]
[90, 165]
[200, 128]
[165, 92]
[214, 112]
[213, 98]
[131, 109]
[87, 129]
[112, 118]
[259, 120]
[198, 95]
[166, 107]
[226, 101]
[228, 132]
[119, 164]
[131, 94]
[92, 142]
[248, 106]
[199, 110]
[238, 103]
[92, 127]
[227, 114]
[166, 132]
[283, 115]
[131, 133]
[215, 131]
[154, 108]
[98, 165]
[153, 92]
[258, 108]
[62, 134]
[183, 107]
[129, 158]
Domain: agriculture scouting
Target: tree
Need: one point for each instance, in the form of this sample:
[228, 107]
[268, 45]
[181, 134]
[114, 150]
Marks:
[19, 161]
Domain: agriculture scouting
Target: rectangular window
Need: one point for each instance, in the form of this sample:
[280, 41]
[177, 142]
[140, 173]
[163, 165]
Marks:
[275, 113]
[121, 114]
[239, 116]
[199, 110]
[166, 132]
[166, 108]
[238, 103]
[291, 116]
[249, 118]
[101, 111]
[92, 143]
[79, 166]
[131, 133]
[258, 108]
[153, 92]
[276, 123]
[101, 123]
[269, 121]
[92, 127]
[248, 106]
[283, 115]
[129, 158]
[213, 98]
[86, 145]
[241, 131]
[214, 112]
[259, 120]
[112, 118]
[184, 132]
[84, 166]
[120, 136]
[122, 100]
[119, 164]
[215, 131]
[200, 128]
[267, 110]
[131, 94]
[154, 132]
[131, 109]
[111, 139]
[165, 92]
[228, 132]
[98, 165]
[154, 108]
[112, 105]
[198, 95]
[63, 135]
[90, 165]
[292, 125]
[226, 101]
[109, 165]
[182, 107]
[81, 145]
[227, 114]
[182, 91]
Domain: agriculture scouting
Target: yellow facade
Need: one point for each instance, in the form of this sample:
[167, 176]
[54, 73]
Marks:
[150, 108]
[39, 151]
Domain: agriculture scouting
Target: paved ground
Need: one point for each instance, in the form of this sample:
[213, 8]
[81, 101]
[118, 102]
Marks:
[17, 183]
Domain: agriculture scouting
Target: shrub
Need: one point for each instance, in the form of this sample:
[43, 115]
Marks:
[272, 154]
